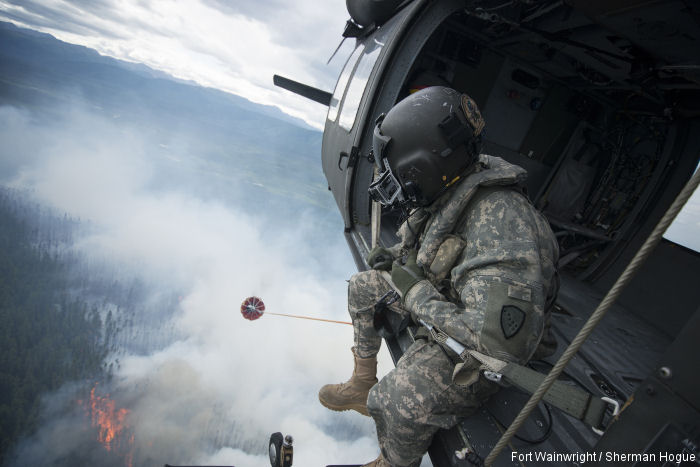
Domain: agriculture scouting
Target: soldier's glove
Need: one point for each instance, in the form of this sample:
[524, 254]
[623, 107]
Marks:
[380, 258]
[406, 275]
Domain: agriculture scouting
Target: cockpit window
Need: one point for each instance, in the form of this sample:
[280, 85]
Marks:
[342, 83]
[360, 78]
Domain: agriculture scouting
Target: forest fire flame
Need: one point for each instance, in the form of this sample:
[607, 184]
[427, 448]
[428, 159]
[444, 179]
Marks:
[111, 423]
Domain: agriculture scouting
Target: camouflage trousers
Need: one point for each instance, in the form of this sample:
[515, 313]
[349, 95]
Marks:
[364, 290]
[417, 397]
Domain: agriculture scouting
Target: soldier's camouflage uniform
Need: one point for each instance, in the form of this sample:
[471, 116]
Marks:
[484, 249]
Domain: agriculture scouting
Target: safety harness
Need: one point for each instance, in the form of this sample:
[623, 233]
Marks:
[572, 400]
[470, 364]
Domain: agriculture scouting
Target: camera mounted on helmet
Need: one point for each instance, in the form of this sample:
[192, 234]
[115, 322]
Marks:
[423, 145]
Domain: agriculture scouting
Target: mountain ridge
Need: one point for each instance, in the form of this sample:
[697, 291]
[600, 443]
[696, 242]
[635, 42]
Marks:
[27, 46]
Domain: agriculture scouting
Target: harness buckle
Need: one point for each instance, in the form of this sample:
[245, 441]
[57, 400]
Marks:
[493, 376]
[616, 411]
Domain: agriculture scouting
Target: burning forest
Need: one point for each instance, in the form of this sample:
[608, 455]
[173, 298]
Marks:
[110, 423]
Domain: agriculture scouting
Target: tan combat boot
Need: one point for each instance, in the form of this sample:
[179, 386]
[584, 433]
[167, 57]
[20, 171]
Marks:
[353, 393]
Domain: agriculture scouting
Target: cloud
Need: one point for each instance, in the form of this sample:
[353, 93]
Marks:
[216, 392]
[233, 46]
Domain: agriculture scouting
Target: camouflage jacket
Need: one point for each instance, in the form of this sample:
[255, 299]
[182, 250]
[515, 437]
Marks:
[490, 259]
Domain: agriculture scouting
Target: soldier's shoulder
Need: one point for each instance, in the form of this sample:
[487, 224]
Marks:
[507, 194]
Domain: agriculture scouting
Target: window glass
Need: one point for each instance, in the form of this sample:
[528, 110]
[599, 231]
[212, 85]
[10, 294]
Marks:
[360, 78]
[342, 83]
[685, 229]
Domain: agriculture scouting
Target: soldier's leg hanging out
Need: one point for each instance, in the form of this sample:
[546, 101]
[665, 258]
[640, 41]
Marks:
[364, 290]
[416, 399]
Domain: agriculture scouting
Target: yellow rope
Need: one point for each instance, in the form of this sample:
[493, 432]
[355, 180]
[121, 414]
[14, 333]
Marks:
[308, 317]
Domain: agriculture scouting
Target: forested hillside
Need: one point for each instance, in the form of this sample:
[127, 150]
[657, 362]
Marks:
[48, 335]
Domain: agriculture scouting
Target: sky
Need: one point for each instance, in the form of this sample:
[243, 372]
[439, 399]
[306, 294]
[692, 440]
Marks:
[235, 46]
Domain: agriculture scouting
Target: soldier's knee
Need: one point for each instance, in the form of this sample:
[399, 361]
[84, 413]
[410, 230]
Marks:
[382, 406]
[365, 288]
[354, 284]
[374, 406]
[359, 281]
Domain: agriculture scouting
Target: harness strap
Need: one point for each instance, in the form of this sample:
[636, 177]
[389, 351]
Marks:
[570, 399]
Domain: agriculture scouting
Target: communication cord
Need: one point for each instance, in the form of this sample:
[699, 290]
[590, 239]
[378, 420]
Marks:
[597, 315]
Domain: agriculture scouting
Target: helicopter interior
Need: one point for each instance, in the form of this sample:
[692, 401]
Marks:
[608, 140]
[598, 154]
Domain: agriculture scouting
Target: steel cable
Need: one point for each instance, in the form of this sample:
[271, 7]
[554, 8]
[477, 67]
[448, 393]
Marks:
[597, 315]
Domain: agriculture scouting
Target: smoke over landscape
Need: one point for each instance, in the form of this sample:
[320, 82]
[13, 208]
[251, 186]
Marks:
[174, 229]
[222, 381]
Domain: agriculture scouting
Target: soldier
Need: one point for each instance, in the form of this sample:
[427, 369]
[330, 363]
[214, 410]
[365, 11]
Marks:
[475, 260]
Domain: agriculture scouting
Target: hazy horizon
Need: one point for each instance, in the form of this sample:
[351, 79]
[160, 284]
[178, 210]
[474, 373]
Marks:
[235, 47]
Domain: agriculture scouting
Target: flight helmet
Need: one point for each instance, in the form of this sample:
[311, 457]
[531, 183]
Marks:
[423, 145]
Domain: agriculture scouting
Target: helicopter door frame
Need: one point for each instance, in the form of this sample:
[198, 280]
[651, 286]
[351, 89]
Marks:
[381, 94]
[340, 152]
